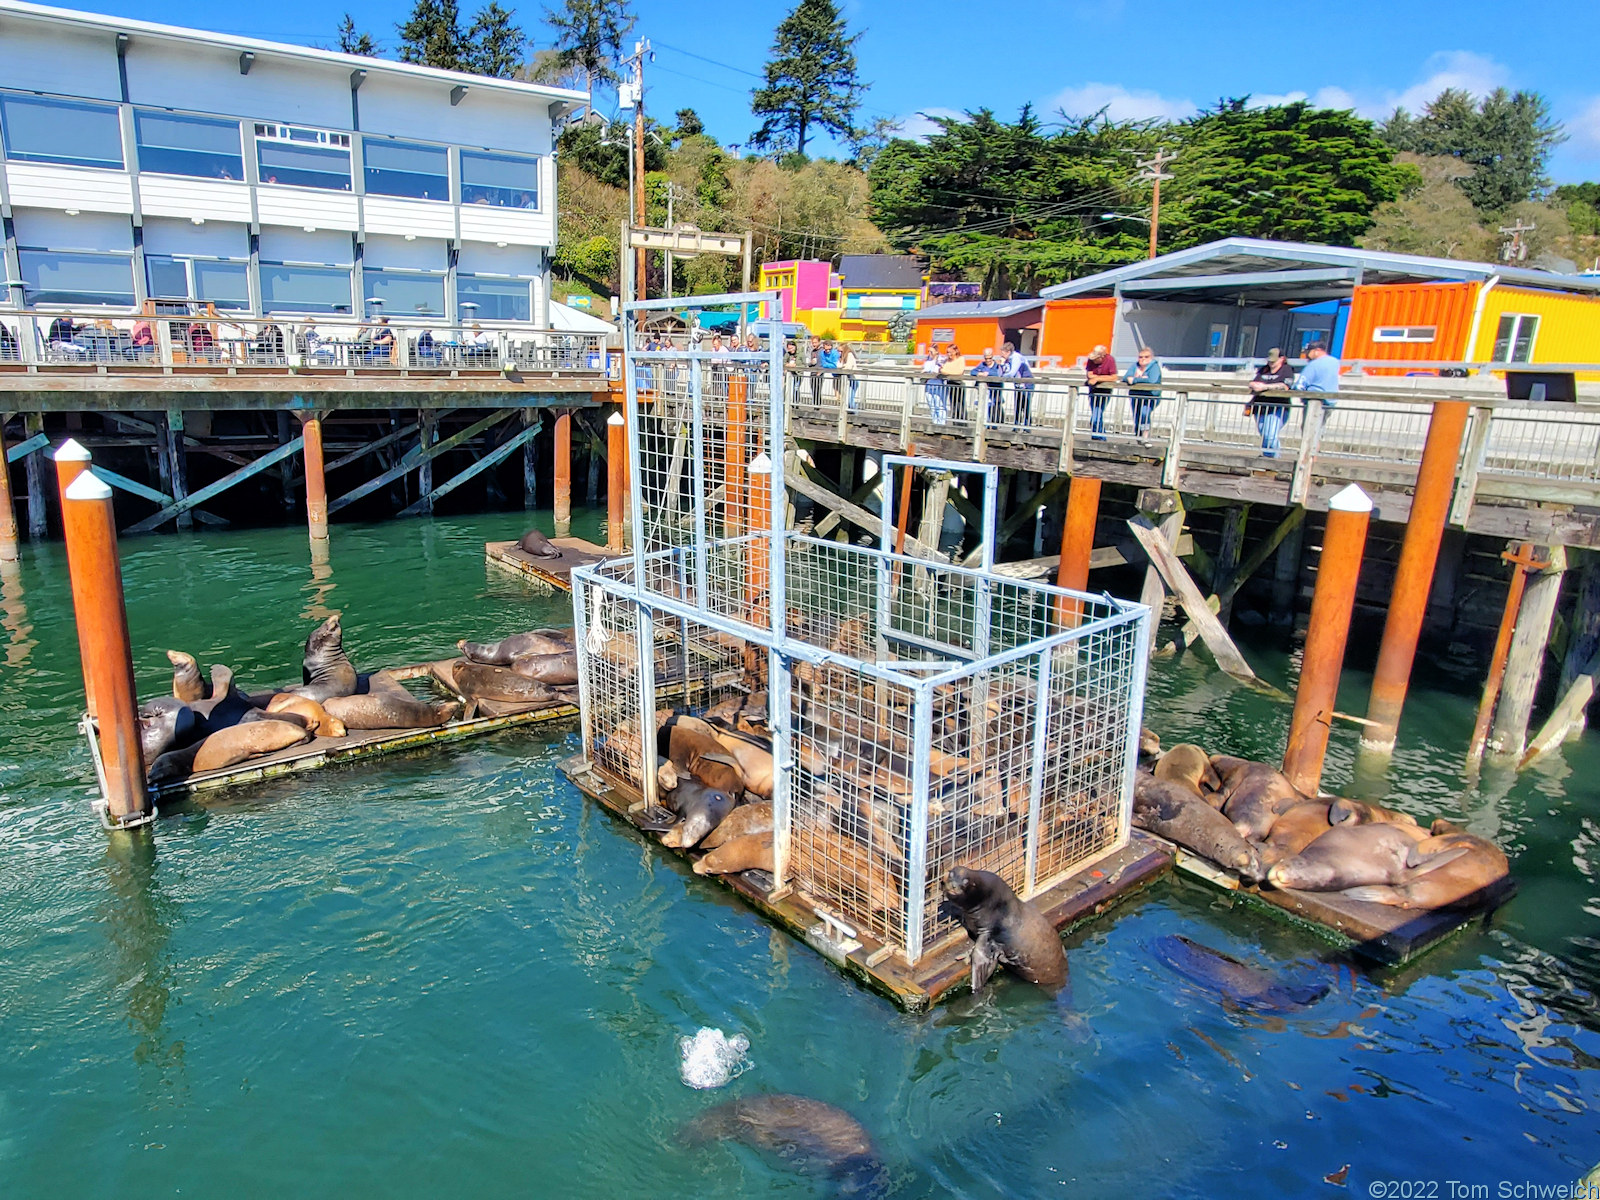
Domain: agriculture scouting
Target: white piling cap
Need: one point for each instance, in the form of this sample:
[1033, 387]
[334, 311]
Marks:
[616, 419]
[1351, 499]
[71, 451]
[761, 464]
[88, 486]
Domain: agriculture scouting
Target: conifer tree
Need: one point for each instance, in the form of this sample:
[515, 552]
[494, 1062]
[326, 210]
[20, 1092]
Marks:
[354, 41]
[589, 37]
[432, 37]
[493, 43]
[811, 81]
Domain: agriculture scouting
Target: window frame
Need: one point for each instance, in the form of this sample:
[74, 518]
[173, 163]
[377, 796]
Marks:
[304, 138]
[102, 108]
[191, 264]
[1406, 333]
[535, 160]
[368, 170]
[31, 293]
[465, 291]
[1510, 338]
[371, 276]
[265, 268]
[167, 114]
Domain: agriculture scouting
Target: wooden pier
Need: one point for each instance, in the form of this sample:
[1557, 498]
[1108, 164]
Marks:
[556, 573]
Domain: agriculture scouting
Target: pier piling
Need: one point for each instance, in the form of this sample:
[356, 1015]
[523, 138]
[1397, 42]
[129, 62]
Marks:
[1343, 542]
[72, 460]
[1526, 661]
[758, 576]
[38, 519]
[8, 509]
[1077, 541]
[733, 459]
[616, 488]
[563, 475]
[316, 484]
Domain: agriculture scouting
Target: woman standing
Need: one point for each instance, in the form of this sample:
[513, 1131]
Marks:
[1143, 396]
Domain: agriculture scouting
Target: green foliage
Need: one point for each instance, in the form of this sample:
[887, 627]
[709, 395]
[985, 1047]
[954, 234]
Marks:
[1506, 140]
[354, 41]
[433, 36]
[810, 82]
[1290, 172]
[588, 37]
[1434, 217]
[603, 151]
[493, 43]
[593, 259]
[1582, 204]
[688, 124]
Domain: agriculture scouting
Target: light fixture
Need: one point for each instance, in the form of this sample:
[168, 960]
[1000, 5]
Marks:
[411, 237]
[499, 245]
[72, 212]
[197, 220]
[309, 228]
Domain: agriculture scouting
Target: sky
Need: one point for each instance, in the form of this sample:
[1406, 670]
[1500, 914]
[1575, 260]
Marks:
[1155, 58]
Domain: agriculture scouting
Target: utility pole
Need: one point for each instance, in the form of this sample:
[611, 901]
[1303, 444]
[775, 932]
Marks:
[1516, 250]
[1151, 169]
[641, 51]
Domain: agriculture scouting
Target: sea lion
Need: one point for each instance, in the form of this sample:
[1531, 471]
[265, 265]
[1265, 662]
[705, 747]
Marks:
[692, 744]
[1458, 883]
[227, 705]
[1359, 812]
[548, 668]
[187, 683]
[700, 809]
[477, 681]
[227, 747]
[317, 718]
[1149, 744]
[519, 645]
[754, 759]
[741, 822]
[805, 1134]
[1349, 856]
[166, 723]
[326, 669]
[1243, 983]
[1005, 931]
[387, 705]
[1174, 812]
[535, 544]
[1254, 794]
[1187, 764]
[751, 852]
[1294, 830]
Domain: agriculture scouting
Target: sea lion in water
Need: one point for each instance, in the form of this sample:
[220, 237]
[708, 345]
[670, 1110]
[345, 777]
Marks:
[1460, 882]
[227, 747]
[317, 718]
[1246, 985]
[700, 809]
[1187, 764]
[1172, 811]
[806, 1134]
[519, 645]
[1359, 812]
[743, 821]
[556, 669]
[535, 544]
[1005, 931]
[326, 670]
[187, 683]
[476, 681]
[751, 852]
[166, 723]
[387, 705]
[692, 744]
[1349, 856]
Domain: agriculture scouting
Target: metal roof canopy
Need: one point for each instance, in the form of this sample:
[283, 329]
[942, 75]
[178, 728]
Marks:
[1273, 272]
[977, 308]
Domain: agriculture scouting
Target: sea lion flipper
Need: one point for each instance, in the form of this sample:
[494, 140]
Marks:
[1421, 864]
[985, 958]
[1378, 893]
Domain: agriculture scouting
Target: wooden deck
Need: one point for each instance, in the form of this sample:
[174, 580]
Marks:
[550, 573]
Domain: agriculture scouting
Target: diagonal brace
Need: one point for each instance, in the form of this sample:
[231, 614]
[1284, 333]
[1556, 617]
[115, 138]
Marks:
[408, 463]
[494, 456]
[195, 499]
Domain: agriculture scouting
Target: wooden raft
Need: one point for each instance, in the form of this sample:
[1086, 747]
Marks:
[1393, 936]
[552, 572]
[1100, 884]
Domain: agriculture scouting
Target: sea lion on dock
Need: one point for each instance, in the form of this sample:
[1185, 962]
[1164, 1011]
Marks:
[1172, 811]
[326, 670]
[1188, 764]
[692, 744]
[700, 809]
[1359, 812]
[805, 1134]
[754, 758]
[519, 645]
[751, 852]
[536, 545]
[1254, 794]
[1294, 830]
[743, 821]
[1149, 744]
[228, 747]
[316, 717]
[1243, 983]
[1350, 856]
[1458, 883]
[187, 683]
[227, 706]
[387, 705]
[478, 681]
[559, 669]
[1005, 930]
[166, 723]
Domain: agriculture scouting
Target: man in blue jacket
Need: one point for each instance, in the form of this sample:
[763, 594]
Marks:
[1321, 373]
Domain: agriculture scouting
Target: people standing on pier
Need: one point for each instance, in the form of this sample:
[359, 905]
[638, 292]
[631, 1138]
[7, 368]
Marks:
[813, 359]
[1101, 370]
[1014, 366]
[1271, 414]
[990, 368]
[934, 388]
[1321, 373]
[954, 370]
[1142, 396]
[828, 360]
[849, 364]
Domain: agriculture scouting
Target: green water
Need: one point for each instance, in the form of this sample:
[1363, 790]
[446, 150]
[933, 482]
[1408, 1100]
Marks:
[449, 975]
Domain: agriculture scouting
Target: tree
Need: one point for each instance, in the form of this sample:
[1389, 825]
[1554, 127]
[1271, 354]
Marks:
[433, 36]
[688, 123]
[1582, 202]
[1434, 217]
[1506, 140]
[602, 150]
[493, 43]
[1290, 171]
[352, 41]
[589, 37]
[810, 80]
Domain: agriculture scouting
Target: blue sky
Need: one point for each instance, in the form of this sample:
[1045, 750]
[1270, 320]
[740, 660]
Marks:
[1154, 58]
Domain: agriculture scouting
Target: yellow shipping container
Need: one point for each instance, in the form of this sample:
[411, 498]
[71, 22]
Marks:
[1525, 325]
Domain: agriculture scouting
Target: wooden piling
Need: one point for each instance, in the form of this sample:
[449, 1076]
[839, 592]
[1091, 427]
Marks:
[616, 488]
[530, 462]
[1583, 640]
[734, 470]
[1286, 574]
[1229, 551]
[102, 617]
[316, 483]
[1077, 543]
[8, 508]
[563, 475]
[1164, 509]
[72, 460]
[1343, 542]
[38, 517]
[427, 435]
[178, 465]
[1413, 581]
[1525, 663]
[758, 574]
[1520, 562]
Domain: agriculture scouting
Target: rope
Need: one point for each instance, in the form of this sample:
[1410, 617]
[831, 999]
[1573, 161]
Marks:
[598, 635]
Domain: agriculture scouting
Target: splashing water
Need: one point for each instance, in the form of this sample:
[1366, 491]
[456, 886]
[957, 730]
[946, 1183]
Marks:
[711, 1059]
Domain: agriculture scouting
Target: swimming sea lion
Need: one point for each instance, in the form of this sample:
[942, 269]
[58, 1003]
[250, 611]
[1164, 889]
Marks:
[1005, 931]
[1349, 856]
[227, 747]
[326, 669]
[317, 718]
[808, 1135]
[166, 723]
[1460, 882]
[751, 852]
[1294, 830]
[187, 683]
[692, 744]
[1174, 812]
[548, 668]
[477, 681]
[1243, 983]
[700, 809]
[1359, 812]
[743, 821]
[1253, 796]
[1187, 764]
[537, 545]
[519, 645]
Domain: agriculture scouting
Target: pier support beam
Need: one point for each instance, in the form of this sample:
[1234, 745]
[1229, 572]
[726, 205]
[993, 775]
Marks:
[1583, 644]
[1286, 575]
[758, 575]
[1077, 541]
[530, 460]
[1413, 581]
[734, 472]
[1526, 660]
[616, 489]
[38, 517]
[1234, 519]
[8, 508]
[427, 434]
[72, 460]
[1164, 509]
[1323, 660]
[563, 475]
[316, 485]
[178, 464]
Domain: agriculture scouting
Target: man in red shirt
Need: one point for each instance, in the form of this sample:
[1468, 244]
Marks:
[1102, 371]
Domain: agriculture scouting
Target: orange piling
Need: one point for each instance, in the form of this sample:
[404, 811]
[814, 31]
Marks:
[316, 485]
[1077, 543]
[616, 482]
[758, 575]
[735, 473]
[8, 510]
[1408, 603]
[102, 616]
[1323, 659]
[1522, 562]
[72, 460]
[563, 485]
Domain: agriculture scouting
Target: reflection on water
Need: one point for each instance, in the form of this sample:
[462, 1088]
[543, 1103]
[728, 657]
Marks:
[318, 589]
[14, 616]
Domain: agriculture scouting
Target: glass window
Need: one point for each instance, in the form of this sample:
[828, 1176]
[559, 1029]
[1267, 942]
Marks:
[406, 169]
[221, 282]
[50, 277]
[287, 288]
[304, 166]
[497, 299]
[61, 131]
[170, 144]
[166, 277]
[503, 180]
[1513, 341]
[405, 293]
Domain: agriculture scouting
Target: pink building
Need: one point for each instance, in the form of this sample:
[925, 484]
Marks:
[808, 292]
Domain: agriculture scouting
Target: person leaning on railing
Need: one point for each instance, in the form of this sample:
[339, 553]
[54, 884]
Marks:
[1271, 413]
[990, 368]
[1014, 366]
[1101, 370]
[1142, 397]
[954, 370]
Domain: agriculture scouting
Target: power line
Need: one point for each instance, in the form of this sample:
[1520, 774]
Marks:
[714, 62]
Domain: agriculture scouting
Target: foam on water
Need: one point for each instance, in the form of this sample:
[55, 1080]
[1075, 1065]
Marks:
[711, 1058]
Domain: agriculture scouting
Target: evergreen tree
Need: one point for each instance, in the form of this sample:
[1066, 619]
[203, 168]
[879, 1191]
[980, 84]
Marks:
[352, 41]
[1505, 139]
[589, 37]
[689, 123]
[493, 43]
[432, 37]
[810, 82]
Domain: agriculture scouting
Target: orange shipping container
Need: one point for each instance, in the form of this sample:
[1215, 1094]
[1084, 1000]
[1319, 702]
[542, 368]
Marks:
[1410, 322]
[1074, 327]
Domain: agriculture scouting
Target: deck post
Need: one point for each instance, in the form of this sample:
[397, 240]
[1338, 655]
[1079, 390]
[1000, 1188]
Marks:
[428, 433]
[38, 517]
[563, 475]
[736, 484]
[1077, 542]
[616, 490]
[1343, 542]
[91, 533]
[1413, 581]
[8, 508]
[1526, 661]
[530, 461]
[72, 460]
[178, 464]
[316, 483]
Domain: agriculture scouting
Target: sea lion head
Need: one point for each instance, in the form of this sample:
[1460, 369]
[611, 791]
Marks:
[164, 722]
[187, 685]
[324, 648]
[967, 889]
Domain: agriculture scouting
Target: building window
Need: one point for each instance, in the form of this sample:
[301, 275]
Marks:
[219, 282]
[1405, 333]
[69, 132]
[497, 299]
[175, 145]
[309, 158]
[55, 277]
[287, 287]
[1513, 341]
[502, 180]
[405, 293]
[406, 169]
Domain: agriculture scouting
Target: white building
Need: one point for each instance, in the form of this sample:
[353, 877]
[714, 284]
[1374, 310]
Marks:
[145, 161]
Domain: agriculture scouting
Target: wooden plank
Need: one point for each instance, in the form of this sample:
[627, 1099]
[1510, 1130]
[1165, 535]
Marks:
[1177, 579]
[387, 439]
[409, 462]
[1567, 712]
[22, 449]
[195, 499]
[1119, 554]
[501, 452]
[150, 493]
[854, 513]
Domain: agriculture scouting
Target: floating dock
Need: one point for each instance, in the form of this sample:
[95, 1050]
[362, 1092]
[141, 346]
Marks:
[1103, 882]
[551, 572]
